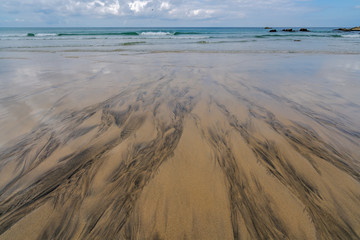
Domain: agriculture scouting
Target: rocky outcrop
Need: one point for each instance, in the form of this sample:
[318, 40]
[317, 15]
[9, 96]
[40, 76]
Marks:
[349, 29]
[273, 30]
[267, 28]
[288, 30]
[304, 30]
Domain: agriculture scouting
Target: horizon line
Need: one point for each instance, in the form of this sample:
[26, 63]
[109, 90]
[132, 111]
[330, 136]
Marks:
[173, 27]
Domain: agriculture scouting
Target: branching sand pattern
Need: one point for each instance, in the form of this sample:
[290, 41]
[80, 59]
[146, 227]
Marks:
[174, 158]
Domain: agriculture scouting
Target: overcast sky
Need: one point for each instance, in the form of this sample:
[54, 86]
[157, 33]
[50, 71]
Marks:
[178, 13]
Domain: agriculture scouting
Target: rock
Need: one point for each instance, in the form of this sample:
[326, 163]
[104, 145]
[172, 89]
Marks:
[268, 28]
[349, 29]
[304, 30]
[287, 30]
[31, 35]
[344, 29]
[273, 30]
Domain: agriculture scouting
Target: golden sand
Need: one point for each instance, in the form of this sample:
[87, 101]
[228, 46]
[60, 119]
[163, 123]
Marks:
[179, 149]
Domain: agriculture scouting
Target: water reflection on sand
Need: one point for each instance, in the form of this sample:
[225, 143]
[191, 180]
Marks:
[179, 145]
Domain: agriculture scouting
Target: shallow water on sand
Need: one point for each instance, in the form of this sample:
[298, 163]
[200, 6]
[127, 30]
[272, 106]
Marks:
[174, 145]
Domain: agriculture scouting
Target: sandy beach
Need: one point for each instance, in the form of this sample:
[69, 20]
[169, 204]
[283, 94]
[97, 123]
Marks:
[179, 145]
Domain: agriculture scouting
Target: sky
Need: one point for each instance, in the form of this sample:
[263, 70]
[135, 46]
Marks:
[179, 13]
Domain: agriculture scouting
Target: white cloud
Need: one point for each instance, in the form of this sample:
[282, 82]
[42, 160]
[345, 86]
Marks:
[114, 8]
[165, 6]
[138, 6]
[156, 9]
[92, 7]
[202, 13]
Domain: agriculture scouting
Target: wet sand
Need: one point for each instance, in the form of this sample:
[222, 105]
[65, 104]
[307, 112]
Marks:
[180, 146]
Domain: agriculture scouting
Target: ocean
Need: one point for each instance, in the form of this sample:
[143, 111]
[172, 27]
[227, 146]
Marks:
[134, 40]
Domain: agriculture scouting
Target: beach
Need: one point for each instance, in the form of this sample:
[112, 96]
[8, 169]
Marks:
[191, 140]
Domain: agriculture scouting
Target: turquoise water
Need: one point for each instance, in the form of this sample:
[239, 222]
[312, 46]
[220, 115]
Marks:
[249, 40]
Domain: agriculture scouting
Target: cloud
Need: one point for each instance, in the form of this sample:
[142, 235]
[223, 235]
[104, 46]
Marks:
[96, 7]
[139, 9]
[204, 13]
[138, 6]
[179, 13]
[165, 6]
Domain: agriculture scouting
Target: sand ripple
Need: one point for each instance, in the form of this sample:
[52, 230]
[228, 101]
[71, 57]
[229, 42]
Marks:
[175, 157]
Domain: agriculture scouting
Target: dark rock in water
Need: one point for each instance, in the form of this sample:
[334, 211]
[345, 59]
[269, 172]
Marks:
[297, 40]
[344, 29]
[349, 29]
[31, 35]
[288, 30]
[268, 28]
[273, 30]
[304, 30]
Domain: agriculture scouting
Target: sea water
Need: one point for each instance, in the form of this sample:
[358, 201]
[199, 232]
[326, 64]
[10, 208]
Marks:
[135, 40]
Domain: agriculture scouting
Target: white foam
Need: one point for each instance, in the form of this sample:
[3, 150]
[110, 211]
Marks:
[45, 34]
[156, 33]
[13, 35]
[198, 37]
[351, 35]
